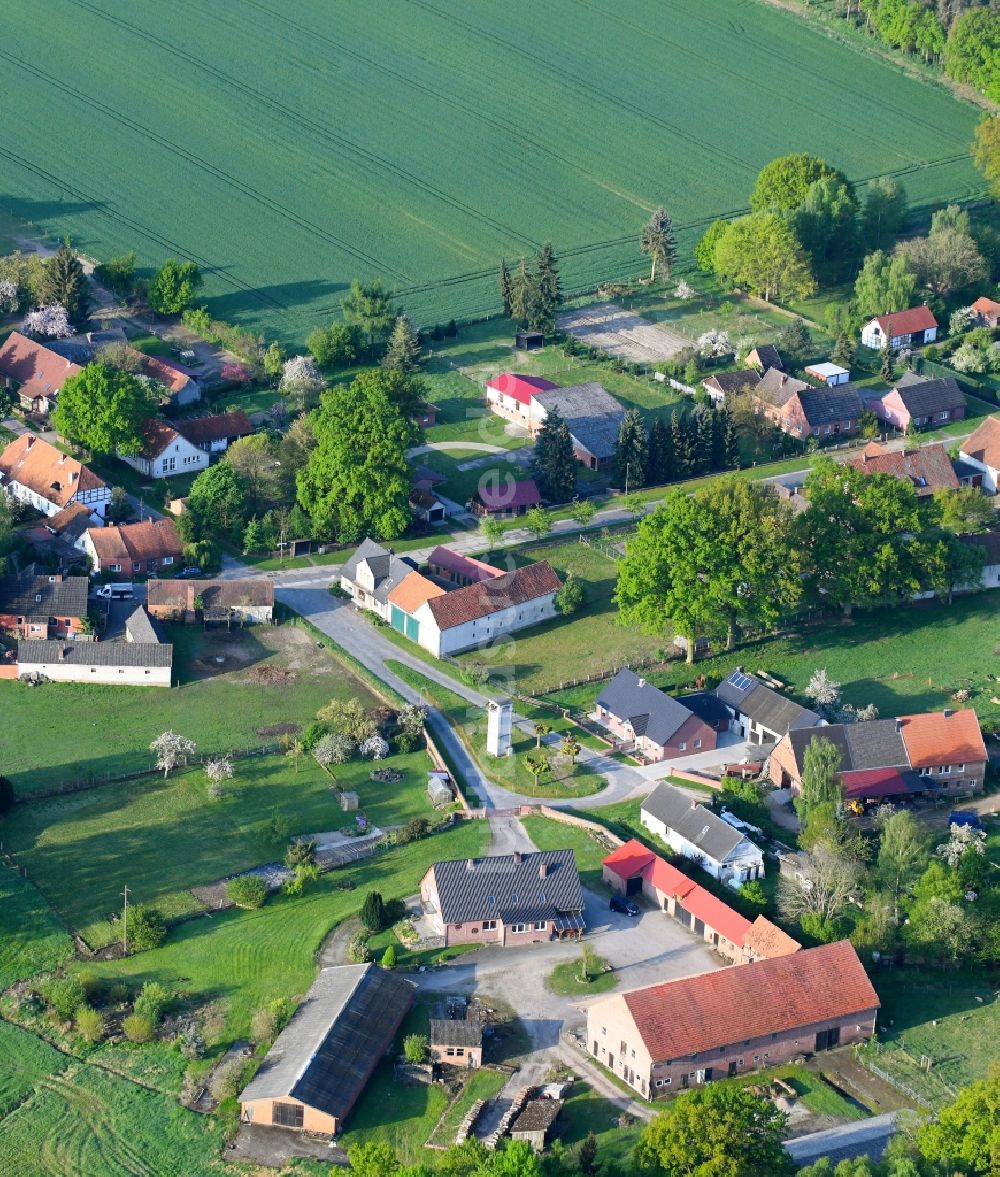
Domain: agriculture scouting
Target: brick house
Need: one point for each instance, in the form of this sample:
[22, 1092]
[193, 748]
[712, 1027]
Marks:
[723, 386]
[764, 357]
[758, 713]
[684, 1033]
[633, 869]
[934, 752]
[458, 569]
[702, 836]
[35, 372]
[242, 601]
[42, 607]
[650, 722]
[927, 468]
[987, 312]
[919, 402]
[910, 328]
[507, 501]
[800, 410]
[456, 1041]
[36, 473]
[319, 1064]
[507, 899]
[140, 549]
[981, 450]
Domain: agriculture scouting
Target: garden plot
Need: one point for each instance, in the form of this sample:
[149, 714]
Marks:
[622, 333]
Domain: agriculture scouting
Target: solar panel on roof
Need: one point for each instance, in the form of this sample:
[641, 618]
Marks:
[739, 680]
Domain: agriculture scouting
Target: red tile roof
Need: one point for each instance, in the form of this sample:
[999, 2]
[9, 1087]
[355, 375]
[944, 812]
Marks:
[984, 444]
[524, 493]
[156, 436]
[943, 737]
[38, 371]
[929, 468]
[521, 388]
[768, 940]
[679, 1018]
[459, 565]
[163, 373]
[258, 591]
[629, 860]
[150, 540]
[491, 596]
[202, 430]
[717, 915]
[906, 322]
[986, 306]
[48, 472]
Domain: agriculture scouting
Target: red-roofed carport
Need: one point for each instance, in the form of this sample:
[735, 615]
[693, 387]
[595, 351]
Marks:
[624, 868]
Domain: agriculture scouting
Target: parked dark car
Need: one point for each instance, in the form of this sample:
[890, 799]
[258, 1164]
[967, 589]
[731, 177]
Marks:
[965, 817]
[621, 904]
[188, 574]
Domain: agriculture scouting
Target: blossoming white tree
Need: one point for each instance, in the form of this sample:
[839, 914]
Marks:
[171, 750]
[301, 380]
[962, 838]
[375, 748]
[822, 689]
[8, 296]
[335, 748]
[51, 321]
[219, 769]
[714, 343]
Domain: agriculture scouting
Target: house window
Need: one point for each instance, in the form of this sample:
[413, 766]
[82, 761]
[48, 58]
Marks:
[136, 566]
[682, 746]
[450, 1052]
[287, 1115]
[518, 927]
[662, 1082]
[114, 568]
[489, 925]
[697, 743]
[739, 1062]
[756, 1058]
[541, 925]
[167, 560]
[460, 1052]
[959, 768]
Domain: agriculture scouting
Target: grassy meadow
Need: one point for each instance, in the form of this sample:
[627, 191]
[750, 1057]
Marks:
[288, 161]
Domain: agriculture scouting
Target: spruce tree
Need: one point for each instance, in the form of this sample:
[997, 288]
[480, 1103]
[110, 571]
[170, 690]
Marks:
[731, 448]
[631, 451]
[681, 445]
[527, 304]
[505, 287]
[718, 439]
[403, 352]
[660, 455]
[66, 283]
[888, 369]
[555, 464]
[844, 350]
[702, 439]
[548, 279]
[657, 243]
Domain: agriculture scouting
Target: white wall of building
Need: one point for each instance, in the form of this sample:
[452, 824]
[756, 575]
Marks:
[132, 676]
[744, 863]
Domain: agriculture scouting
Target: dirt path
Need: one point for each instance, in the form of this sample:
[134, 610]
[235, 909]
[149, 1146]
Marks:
[334, 947]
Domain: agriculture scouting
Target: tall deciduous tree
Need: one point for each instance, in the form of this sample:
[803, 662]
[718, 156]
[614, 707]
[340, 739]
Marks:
[944, 261]
[884, 214]
[255, 459]
[783, 184]
[826, 223]
[658, 244]
[218, 501]
[173, 287]
[356, 479]
[886, 283]
[631, 451]
[820, 779]
[103, 409]
[704, 251]
[824, 881]
[554, 466]
[369, 307]
[762, 253]
[716, 1131]
[902, 854]
[65, 283]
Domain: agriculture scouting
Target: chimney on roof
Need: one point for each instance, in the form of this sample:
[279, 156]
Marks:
[62, 653]
[543, 870]
[62, 459]
[74, 475]
[30, 442]
[948, 713]
[470, 864]
[642, 682]
[517, 857]
[899, 725]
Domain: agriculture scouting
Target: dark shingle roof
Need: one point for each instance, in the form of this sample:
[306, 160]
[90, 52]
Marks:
[508, 887]
[44, 596]
[203, 430]
[750, 697]
[140, 654]
[733, 382]
[140, 627]
[335, 1039]
[696, 824]
[874, 744]
[708, 707]
[456, 1032]
[591, 413]
[387, 568]
[823, 406]
[924, 397]
[650, 712]
[777, 388]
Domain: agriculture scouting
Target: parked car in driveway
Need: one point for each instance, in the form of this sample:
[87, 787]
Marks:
[625, 906]
[188, 574]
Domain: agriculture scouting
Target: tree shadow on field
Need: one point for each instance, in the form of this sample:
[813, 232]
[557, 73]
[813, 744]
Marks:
[291, 295]
[31, 212]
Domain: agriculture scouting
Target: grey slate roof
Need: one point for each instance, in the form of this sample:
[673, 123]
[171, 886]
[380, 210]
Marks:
[732, 383]
[924, 397]
[651, 712]
[591, 413]
[456, 1032]
[708, 707]
[508, 887]
[387, 568]
[326, 1053]
[140, 627]
[38, 596]
[874, 744]
[778, 388]
[823, 406]
[142, 654]
[698, 825]
[764, 706]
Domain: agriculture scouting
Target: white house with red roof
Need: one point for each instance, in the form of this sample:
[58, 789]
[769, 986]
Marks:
[165, 452]
[982, 451]
[910, 328]
[36, 473]
[34, 371]
[511, 395]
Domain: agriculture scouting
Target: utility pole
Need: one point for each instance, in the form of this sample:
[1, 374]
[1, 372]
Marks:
[627, 464]
[125, 924]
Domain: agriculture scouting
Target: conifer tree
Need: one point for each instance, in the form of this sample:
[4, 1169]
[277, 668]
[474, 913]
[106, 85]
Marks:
[702, 439]
[718, 439]
[403, 352]
[65, 283]
[548, 279]
[732, 443]
[555, 463]
[505, 288]
[660, 455]
[681, 445]
[631, 451]
[657, 243]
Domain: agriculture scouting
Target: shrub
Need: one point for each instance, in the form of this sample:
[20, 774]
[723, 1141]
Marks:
[90, 1023]
[118, 993]
[415, 829]
[6, 794]
[569, 598]
[263, 1025]
[300, 852]
[248, 892]
[753, 892]
[373, 912]
[64, 995]
[389, 957]
[138, 1027]
[358, 951]
[414, 1048]
[153, 1000]
[146, 928]
[226, 1082]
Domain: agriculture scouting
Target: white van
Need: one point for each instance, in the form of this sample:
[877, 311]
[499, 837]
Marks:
[115, 591]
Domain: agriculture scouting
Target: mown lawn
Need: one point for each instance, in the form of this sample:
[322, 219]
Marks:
[62, 732]
[162, 837]
[246, 959]
[548, 834]
[564, 980]
[469, 722]
[24, 1059]
[31, 938]
[589, 641]
[585, 1111]
[904, 659]
[81, 1121]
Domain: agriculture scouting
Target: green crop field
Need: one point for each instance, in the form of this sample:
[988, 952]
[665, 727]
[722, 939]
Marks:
[31, 938]
[288, 148]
